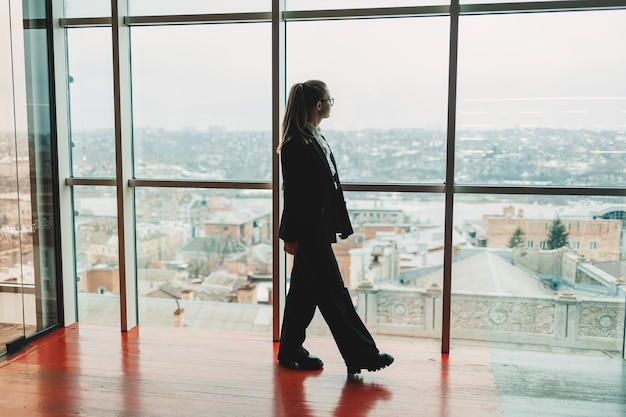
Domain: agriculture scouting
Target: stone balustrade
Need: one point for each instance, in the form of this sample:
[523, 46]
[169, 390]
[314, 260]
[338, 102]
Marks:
[564, 321]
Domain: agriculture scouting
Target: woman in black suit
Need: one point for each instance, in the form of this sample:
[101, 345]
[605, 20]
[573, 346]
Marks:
[314, 213]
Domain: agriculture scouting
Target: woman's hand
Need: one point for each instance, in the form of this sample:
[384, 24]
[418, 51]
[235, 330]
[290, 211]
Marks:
[291, 247]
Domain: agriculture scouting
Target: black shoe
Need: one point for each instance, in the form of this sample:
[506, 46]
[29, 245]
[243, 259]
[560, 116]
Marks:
[380, 361]
[302, 360]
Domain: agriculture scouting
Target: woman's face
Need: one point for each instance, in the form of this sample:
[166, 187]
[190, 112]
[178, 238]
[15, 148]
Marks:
[326, 105]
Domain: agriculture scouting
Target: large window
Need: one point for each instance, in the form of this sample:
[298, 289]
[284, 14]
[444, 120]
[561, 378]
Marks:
[540, 104]
[482, 155]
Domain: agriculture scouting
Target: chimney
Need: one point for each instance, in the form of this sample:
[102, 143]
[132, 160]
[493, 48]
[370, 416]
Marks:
[247, 294]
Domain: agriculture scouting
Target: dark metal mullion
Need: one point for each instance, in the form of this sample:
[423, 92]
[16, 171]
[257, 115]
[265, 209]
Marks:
[363, 187]
[449, 185]
[370, 13]
[82, 22]
[35, 24]
[198, 19]
[252, 185]
[95, 182]
[541, 7]
[54, 134]
[125, 215]
[118, 165]
[278, 95]
[533, 190]
[394, 188]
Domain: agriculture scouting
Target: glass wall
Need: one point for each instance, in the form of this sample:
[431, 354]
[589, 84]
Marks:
[29, 285]
[509, 126]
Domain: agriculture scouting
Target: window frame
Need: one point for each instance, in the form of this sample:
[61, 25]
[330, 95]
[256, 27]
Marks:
[125, 182]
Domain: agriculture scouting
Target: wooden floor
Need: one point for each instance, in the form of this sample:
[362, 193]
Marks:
[97, 371]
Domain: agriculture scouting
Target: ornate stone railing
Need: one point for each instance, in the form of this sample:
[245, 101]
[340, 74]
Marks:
[563, 321]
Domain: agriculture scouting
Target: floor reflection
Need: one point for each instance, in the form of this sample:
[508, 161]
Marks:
[443, 386]
[357, 397]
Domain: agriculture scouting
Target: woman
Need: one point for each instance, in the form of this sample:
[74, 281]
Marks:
[314, 213]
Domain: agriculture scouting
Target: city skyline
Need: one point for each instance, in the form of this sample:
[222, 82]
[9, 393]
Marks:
[522, 156]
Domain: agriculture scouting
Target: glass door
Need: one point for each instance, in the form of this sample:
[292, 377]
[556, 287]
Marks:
[29, 288]
[11, 266]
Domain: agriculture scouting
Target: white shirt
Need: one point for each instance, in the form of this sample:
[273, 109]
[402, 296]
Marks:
[324, 145]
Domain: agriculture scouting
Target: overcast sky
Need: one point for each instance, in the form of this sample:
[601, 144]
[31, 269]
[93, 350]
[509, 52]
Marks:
[555, 69]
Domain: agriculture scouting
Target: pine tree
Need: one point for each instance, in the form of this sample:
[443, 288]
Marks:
[518, 238]
[557, 235]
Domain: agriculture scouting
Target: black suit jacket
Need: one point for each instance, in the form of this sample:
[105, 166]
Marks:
[314, 207]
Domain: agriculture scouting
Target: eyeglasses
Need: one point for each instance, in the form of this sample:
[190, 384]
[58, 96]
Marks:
[330, 100]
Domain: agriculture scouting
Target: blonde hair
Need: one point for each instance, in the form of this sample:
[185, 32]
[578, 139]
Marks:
[302, 98]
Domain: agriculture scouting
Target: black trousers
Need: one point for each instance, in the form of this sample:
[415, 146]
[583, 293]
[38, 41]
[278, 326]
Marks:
[316, 282]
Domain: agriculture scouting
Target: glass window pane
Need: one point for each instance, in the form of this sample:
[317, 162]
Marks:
[32, 9]
[541, 103]
[166, 7]
[539, 272]
[91, 102]
[203, 114]
[389, 78]
[91, 8]
[392, 265]
[204, 259]
[97, 255]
